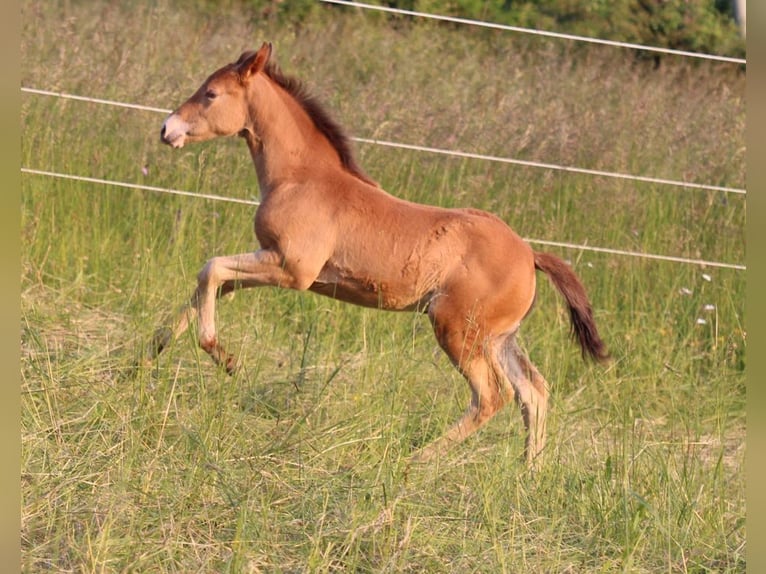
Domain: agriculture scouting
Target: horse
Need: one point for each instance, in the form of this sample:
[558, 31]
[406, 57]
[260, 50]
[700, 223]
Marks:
[324, 226]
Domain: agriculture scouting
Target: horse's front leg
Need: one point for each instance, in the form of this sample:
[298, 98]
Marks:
[219, 276]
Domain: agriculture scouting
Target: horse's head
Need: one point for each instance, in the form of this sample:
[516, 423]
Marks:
[219, 107]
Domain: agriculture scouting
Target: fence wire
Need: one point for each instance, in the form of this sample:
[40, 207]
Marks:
[545, 33]
[107, 182]
[426, 149]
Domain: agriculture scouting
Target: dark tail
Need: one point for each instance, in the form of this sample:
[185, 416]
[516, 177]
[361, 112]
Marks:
[567, 283]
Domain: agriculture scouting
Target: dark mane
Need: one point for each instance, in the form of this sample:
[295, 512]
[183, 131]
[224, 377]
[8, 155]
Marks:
[322, 120]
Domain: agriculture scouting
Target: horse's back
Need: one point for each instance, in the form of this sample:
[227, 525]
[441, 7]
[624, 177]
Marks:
[398, 254]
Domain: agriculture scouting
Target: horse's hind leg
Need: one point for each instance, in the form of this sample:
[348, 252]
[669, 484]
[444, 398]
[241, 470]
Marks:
[486, 400]
[531, 394]
[475, 359]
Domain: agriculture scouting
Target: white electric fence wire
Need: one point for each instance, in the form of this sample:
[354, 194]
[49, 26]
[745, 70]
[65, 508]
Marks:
[426, 149]
[138, 186]
[553, 166]
[535, 32]
[255, 203]
[94, 100]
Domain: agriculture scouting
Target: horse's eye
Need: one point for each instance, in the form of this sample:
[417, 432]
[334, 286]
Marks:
[211, 95]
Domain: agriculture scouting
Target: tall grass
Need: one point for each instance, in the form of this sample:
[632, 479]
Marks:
[298, 463]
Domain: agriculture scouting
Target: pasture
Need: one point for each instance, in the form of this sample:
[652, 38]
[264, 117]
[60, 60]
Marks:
[299, 462]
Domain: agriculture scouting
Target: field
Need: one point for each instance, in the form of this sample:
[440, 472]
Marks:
[299, 462]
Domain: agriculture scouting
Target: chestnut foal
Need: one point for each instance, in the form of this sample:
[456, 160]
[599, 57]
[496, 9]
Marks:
[324, 226]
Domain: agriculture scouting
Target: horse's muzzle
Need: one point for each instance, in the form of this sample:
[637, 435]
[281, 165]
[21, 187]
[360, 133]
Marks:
[173, 131]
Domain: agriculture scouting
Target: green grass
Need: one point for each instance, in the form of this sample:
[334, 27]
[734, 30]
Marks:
[298, 463]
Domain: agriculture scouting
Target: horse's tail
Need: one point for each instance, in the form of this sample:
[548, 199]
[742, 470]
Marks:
[580, 312]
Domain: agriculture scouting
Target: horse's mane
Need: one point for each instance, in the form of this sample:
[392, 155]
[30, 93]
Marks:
[321, 118]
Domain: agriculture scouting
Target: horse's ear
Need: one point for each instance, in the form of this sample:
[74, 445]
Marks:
[254, 62]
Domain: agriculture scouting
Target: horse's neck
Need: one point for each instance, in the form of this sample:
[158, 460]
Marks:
[284, 137]
[265, 180]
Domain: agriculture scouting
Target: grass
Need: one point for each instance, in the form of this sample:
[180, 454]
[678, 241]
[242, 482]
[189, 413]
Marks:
[298, 463]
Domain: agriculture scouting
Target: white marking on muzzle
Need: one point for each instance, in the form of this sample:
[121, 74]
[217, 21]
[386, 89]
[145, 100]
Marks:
[174, 131]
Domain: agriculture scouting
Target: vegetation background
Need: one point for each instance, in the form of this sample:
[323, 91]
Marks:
[299, 463]
[707, 26]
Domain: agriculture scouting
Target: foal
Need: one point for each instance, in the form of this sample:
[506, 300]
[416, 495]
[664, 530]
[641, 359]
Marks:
[324, 226]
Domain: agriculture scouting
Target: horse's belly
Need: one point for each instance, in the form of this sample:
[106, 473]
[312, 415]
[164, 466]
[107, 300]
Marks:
[369, 292]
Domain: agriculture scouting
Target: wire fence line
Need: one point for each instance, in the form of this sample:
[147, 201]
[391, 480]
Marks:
[552, 166]
[137, 186]
[426, 149]
[66, 96]
[558, 35]
[701, 262]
